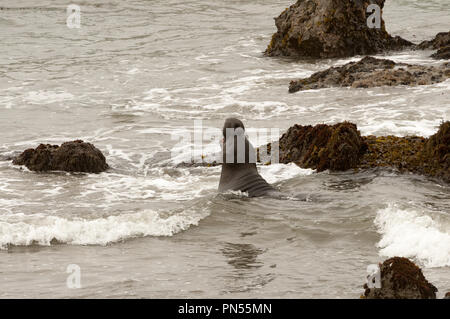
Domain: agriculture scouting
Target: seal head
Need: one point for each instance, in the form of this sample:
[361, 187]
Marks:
[239, 172]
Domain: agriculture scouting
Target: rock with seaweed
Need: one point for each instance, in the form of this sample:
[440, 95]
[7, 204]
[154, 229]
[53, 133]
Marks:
[373, 72]
[401, 279]
[335, 147]
[426, 156]
[329, 29]
[341, 147]
[75, 156]
[392, 151]
[434, 160]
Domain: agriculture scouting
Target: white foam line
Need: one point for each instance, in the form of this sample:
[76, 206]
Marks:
[413, 234]
[40, 229]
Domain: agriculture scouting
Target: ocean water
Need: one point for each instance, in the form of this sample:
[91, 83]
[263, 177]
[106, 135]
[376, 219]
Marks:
[134, 80]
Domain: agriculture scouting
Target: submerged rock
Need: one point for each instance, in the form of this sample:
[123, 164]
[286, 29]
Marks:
[372, 72]
[75, 156]
[401, 279]
[329, 29]
[335, 147]
[442, 39]
[441, 43]
[4, 157]
[443, 53]
[194, 164]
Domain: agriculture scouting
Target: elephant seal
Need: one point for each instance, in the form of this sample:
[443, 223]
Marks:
[239, 172]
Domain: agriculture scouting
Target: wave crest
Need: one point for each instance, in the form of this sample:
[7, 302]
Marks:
[43, 230]
[413, 234]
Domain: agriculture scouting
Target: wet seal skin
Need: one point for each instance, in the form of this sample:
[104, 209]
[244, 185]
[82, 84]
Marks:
[239, 172]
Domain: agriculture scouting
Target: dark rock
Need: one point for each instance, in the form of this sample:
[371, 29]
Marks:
[442, 53]
[372, 72]
[436, 153]
[340, 147]
[392, 151]
[335, 147]
[441, 40]
[430, 157]
[329, 29]
[447, 295]
[401, 279]
[76, 156]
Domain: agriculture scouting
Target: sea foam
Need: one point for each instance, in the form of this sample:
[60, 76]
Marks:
[42, 230]
[414, 234]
